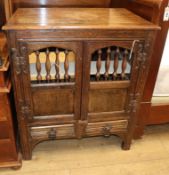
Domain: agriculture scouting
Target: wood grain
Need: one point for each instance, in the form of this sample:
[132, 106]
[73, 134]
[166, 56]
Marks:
[75, 18]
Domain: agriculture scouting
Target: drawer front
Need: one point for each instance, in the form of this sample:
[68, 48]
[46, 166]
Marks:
[4, 130]
[106, 128]
[53, 132]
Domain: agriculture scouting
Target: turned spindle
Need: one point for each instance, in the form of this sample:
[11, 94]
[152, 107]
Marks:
[107, 64]
[124, 64]
[57, 76]
[38, 67]
[66, 66]
[98, 64]
[116, 63]
[48, 66]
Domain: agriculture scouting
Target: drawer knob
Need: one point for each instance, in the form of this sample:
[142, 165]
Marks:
[107, 130]
[52, 134]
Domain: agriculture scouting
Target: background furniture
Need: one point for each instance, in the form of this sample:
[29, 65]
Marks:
[96, 91]
[9, 156]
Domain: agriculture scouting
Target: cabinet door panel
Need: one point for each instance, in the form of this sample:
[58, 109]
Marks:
[103, 100]
[108, 70]
[52, 72]
[58, 101]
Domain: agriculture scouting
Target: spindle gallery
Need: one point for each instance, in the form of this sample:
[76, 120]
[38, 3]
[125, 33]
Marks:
[52, 65]
[111, 64]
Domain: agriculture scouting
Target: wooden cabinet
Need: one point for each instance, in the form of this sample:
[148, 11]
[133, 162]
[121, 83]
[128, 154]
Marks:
[9, 156]
[78, 72]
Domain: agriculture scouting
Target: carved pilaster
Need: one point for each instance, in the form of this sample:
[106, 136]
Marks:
[16, 61]
[139, 55]
[19, 60]
[143, 50]
[133, 103]
[23, 61]
[24, 109]
[145, 54]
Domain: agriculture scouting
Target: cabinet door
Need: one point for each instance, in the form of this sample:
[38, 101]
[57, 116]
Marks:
[50, 79]
[47, 78]
[110, 73]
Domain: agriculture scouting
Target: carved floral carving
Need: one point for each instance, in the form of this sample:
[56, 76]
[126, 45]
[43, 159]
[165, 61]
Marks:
[16, 60]
[133, 103]
[19, 60]
[143, 50]
[25, 109]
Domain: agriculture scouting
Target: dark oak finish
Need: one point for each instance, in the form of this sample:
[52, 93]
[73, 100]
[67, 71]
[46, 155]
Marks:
[83, 101]
[151, 10]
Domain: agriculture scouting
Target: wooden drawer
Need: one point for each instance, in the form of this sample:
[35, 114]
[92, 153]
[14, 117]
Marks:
[106, 128]
[4, 130]
[53, 132]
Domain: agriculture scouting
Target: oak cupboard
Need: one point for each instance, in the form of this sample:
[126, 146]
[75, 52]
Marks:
[153, 11]
[78, 72]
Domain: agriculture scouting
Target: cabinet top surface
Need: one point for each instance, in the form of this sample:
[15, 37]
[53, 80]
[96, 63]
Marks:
[77, 18]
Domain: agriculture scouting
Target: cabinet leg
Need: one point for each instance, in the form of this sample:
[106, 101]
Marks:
[27, 155]
[126, 145]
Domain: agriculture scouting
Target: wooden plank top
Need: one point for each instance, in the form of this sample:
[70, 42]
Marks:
[77, 18]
